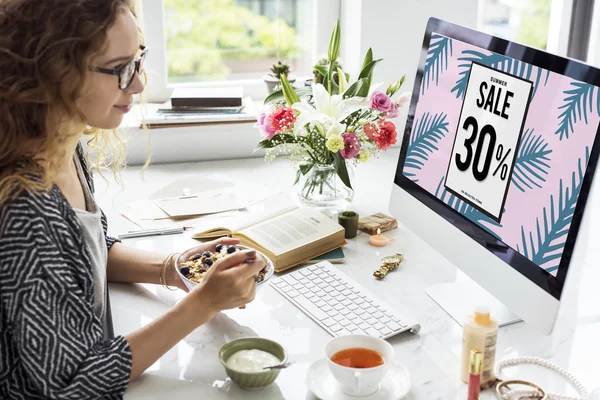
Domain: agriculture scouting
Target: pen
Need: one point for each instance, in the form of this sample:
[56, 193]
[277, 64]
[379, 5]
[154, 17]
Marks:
[151, 232]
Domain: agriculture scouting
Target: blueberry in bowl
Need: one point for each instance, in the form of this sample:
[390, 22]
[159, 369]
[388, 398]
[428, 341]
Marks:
[192, 267]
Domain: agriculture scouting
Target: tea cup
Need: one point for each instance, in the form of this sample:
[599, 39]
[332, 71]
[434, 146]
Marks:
[359, 381]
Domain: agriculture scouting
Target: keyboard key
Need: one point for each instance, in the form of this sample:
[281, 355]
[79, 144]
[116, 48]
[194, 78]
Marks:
[385, 331]
[346, 292]
[298, 286]
[356, 320]
[371, 310]
[360, 312]
[289, 279]
[331, 312]
[305, 272]
[378, 315]
[393, 326]
[325, 307]
[310, 285]
[314, 268]
[364, 326]
[293, 293]
[332, 302]
[310, 307]
[365, 305]
[345, 312]
[336, 328]
[345, 302]
[352, 296]
[371, 321]
[303, 290]
[372, 332]
[311, 296]
[352, 328]
[339, 297]
[338, 317]
[328, 322]
[379, 326]
[320, 304]
[344, 332]
[344, 322]
[384, 320]
[352, 307]
[339, 307]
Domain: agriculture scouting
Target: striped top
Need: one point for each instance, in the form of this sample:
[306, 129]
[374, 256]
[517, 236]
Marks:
[51, 341]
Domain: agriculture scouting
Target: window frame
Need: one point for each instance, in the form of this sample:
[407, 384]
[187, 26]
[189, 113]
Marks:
[325, 14]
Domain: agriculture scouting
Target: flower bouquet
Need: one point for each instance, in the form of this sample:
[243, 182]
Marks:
[324, 126]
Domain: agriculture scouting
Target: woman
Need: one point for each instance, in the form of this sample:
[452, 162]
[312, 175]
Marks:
[69, 67]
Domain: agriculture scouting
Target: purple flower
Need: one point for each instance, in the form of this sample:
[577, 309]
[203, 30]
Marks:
[265, 127]
[351, 145]
[380, 102]
[393, 112]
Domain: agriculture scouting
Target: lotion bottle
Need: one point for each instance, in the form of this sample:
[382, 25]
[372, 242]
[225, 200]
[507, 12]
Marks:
[480, 332]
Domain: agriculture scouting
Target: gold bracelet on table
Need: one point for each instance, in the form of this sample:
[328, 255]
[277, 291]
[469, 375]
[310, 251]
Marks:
[162, 276]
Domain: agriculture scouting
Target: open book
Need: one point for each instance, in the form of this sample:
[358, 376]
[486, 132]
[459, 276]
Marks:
[288, 236]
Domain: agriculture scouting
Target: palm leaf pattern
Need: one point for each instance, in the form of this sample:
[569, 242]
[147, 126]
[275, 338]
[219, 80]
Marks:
[437, 60]
[575, 106]
[531, 164]
[428, 132]
[499, 62]
[551, 241]
[467, 210]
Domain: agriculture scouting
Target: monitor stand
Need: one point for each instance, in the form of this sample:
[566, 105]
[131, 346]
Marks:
[460, 298]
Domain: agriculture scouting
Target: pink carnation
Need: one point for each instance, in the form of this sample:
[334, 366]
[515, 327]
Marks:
[380, 102]
[263, 124]
[351, 145]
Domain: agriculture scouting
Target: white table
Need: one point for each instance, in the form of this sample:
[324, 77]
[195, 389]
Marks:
[191, 369]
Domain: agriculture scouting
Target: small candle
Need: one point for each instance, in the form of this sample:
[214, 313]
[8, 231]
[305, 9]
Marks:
[378, 240]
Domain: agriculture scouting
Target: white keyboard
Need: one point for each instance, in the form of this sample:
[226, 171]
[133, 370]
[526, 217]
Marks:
[340, 305]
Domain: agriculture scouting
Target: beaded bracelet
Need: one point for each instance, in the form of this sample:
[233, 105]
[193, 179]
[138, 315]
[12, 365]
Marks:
[581, 390]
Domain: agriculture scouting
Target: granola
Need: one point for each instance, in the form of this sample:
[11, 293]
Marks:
[198, 264]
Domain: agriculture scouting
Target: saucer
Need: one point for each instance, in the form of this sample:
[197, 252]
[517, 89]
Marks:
[321, 382]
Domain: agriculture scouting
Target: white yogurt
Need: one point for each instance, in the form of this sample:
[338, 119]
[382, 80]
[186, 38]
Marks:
[251, 360]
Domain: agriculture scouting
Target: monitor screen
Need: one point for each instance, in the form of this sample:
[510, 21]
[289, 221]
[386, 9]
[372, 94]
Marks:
[501, 141]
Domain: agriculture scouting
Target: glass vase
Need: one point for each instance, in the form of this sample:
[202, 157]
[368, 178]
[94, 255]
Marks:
[323, 189]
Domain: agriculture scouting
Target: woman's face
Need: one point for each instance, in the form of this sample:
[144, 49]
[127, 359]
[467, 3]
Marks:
[104, 104]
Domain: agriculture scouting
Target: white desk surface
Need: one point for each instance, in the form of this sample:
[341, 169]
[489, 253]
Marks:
[191, 369]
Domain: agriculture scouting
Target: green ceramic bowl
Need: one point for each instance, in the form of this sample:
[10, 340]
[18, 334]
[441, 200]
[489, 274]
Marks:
[252, 380]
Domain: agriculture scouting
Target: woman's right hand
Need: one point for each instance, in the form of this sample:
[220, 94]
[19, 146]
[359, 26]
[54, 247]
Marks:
[229, 283]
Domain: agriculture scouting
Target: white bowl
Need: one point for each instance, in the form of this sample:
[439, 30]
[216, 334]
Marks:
[184, 257]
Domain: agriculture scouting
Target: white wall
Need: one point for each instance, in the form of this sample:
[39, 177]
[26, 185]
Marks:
[394, 29]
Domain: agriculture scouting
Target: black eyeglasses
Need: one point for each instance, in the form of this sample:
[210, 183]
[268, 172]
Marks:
[126, 72]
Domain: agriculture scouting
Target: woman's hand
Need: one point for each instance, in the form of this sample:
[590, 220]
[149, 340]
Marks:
[173, 278]
[228, 284]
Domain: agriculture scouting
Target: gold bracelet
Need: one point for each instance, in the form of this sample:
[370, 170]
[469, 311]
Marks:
[162, 276]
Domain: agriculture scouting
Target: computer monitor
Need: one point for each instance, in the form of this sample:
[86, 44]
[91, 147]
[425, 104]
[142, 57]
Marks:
[497, 165]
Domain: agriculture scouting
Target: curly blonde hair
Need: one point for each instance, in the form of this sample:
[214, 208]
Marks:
[45, 51]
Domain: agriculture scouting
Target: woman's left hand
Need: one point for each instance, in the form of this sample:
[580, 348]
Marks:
[173, 278]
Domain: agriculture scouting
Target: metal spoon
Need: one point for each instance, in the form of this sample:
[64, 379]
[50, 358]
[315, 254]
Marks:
[280, 366]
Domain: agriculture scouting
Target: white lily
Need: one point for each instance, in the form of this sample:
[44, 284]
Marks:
[329, 111]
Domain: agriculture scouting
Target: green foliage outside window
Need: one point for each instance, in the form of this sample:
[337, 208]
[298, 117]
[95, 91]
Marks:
[203, 35]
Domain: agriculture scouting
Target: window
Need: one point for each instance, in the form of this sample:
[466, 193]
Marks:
[231, 42]
[523, 21]
[563, 27]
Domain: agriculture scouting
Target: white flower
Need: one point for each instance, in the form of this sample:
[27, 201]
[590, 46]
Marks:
[329, 111]
[403, 100]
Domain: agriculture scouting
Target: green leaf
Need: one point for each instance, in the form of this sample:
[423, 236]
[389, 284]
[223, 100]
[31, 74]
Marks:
[322, 69]
[367, 71]
[303, 170]
[342, 80]
[368, 58]
[359, 88]
[265, 144]
[278, 95]
[288, 91]
[334, 43]
[340, 166]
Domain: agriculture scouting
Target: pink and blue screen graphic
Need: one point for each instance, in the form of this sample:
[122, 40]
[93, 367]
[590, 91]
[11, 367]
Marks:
[504, 143]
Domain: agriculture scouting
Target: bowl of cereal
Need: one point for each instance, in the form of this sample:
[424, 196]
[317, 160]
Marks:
[192, 266]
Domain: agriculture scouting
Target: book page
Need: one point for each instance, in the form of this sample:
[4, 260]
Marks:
[292, 230]
[255, 213]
